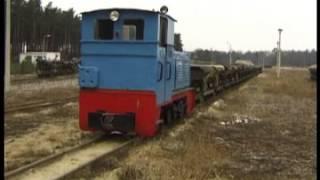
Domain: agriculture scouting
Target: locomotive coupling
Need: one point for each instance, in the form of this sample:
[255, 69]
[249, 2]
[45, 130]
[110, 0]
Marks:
[100, 120]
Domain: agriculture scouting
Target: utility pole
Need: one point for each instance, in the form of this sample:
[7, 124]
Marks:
[211, 57]
[44, 43]
[305, 59]
[279, 53]
[262, 62]
[230, 51]
[7, 47]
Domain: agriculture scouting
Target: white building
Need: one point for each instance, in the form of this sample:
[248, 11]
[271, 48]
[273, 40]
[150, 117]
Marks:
[49, 56]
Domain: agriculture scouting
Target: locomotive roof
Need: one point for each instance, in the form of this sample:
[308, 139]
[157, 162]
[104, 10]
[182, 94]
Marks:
[129, 9]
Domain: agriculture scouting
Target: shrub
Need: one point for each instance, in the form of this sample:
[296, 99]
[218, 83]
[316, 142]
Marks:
[27, 66]
[15, 68]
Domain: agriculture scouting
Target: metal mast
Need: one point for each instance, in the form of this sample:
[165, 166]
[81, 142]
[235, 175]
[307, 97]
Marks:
[263, 61]
[230, 51]
[279, 53]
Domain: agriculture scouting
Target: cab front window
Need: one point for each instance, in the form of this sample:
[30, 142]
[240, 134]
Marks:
[103, 29]
[133, 29]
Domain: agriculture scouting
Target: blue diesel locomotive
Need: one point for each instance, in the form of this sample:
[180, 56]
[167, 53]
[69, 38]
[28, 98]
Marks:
[130, 75]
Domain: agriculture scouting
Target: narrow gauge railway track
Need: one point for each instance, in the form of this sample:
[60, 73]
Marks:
[68, 162]
[205, 104]
[36, 79]
[38, 104]
[65, 163]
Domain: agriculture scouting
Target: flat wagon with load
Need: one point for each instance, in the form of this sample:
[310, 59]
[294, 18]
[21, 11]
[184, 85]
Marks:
[46, 68]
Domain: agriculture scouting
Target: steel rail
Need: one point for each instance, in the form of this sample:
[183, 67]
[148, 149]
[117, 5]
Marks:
[38, 104]
[36, 79]
[46, 159]
[34, 170]
[25, 173]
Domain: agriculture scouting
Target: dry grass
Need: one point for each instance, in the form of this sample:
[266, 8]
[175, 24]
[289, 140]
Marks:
[292, 83]
[180, 154]
[21, 123]
[42, 90]
[276, 142]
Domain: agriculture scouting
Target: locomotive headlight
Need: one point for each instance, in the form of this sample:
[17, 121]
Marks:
[114, 15]
[164, 9]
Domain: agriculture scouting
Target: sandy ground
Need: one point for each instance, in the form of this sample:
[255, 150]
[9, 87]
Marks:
[30, 137]
[265, 129]
[34, 135]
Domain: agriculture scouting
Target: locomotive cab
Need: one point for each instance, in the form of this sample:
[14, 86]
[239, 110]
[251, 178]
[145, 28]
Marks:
[129, 69]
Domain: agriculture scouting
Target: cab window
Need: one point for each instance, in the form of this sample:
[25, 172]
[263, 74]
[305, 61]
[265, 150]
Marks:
[133, 29]
[163, 31]
[103, 29]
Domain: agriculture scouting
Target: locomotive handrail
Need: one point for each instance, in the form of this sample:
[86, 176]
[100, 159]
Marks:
[161, 71]
[119, 41]
[169, 75]
[118, 54]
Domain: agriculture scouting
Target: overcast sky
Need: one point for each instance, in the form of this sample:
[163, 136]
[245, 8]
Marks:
[246, 24]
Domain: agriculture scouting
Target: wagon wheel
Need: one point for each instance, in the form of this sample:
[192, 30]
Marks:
[237, 77]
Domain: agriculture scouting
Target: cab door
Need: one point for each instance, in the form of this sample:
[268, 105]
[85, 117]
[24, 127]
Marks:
[161, 62]
[165, 52]
[166, 65]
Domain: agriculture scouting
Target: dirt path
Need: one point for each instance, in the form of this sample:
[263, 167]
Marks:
[264, 130]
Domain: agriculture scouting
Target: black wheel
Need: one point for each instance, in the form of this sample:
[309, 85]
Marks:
[175, 112]
[182, 109]
[129, 135]
[184, 112]
[160, 128]
[168, 116]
